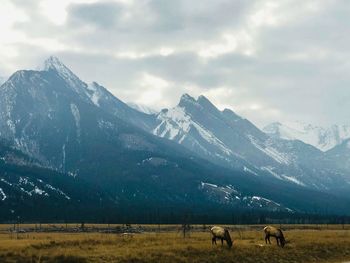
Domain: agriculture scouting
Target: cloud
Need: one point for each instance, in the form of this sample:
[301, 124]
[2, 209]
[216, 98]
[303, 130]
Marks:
[103, 15]
[267, 60]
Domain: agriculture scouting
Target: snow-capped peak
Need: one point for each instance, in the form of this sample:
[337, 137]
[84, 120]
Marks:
[323, 138]
[176, 123]
[53, 63]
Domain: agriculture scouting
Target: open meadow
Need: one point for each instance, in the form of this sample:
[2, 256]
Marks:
[65, 244]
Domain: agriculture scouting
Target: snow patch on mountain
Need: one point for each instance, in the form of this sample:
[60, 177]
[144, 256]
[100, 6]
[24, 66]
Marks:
[323, 138]
[224, 194]
[2, 195]
[246, 169]
[39, 191]
[6, 182]
[280, 157]
[176, 124]
[229, 195]
[102, 124]
[95, 94]
[155, 161]
[261, 202]
[31, 188]
[11, 126]
[58, 191]
[64, 157]
[270, 170]
[76, 115]
[294, 180]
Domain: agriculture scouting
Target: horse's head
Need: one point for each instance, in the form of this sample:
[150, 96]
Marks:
[228, 238]
[283, 241]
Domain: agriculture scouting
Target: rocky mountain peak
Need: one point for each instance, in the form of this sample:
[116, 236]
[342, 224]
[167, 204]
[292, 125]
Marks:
[186, 100]
[54, 63]
[205, 103]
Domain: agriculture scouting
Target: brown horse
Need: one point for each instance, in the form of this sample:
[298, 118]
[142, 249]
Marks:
[271, 231]
[221, 233]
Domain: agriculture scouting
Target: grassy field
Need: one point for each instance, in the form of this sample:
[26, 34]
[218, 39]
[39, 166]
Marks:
[305, 244]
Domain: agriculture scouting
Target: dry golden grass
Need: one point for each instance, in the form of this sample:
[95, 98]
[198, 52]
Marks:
[326, 245]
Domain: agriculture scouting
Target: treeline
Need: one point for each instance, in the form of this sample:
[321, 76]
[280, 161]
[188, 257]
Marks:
[168, 215]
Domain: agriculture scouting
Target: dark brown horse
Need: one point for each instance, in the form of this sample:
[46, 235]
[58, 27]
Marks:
[271, 231]
[221, 233]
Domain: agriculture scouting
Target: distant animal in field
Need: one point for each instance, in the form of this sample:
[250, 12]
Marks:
[221, 233]
[127, 235]
[271, 231]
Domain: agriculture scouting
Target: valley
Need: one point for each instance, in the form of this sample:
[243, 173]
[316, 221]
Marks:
[165, 243]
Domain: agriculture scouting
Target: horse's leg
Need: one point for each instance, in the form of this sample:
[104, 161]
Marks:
[213, 241]
[278, 244]
[266, 239]
[222, 241]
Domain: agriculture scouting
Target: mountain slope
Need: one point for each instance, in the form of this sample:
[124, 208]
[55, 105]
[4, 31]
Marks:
[29, 190]
[103, 99]
[98, 95]
[142, 108]
[340, 155]
[32, 192]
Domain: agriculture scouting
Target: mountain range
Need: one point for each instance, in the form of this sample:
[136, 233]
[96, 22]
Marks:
[323, 138]
[61, 135]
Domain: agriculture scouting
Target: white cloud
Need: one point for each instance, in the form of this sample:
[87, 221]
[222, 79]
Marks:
[9, 15]
[267, 60]
[152, 89]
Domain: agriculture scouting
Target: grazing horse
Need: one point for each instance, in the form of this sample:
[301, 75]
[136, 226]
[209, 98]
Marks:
[271, 231]
[221, 233]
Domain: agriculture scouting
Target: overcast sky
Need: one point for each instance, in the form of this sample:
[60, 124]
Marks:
[267, 60]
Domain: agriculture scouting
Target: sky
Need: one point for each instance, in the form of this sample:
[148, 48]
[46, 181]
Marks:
[280, 60]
